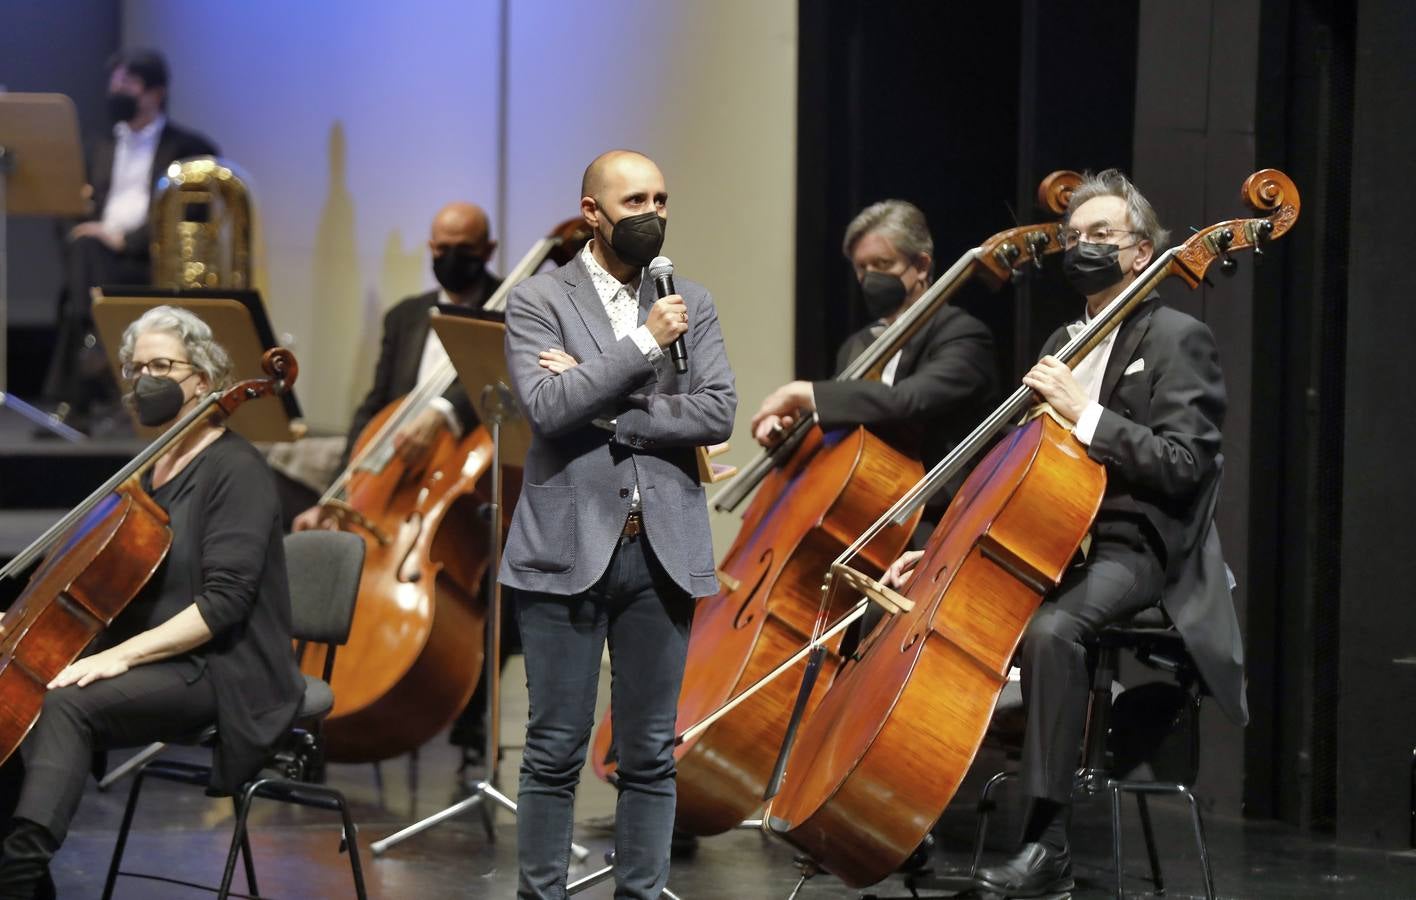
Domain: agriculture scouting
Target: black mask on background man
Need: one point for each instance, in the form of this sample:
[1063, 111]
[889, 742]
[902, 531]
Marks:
[1092, 268]
[457, 269]
[637, 239]
[883, 293]
[158, 399]
[122, 107]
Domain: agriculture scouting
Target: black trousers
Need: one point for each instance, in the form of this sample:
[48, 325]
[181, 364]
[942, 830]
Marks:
[78, 371]
[1117, 581]
[161, 701]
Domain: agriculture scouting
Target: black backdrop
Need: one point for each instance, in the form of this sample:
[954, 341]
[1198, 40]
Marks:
[962, 109]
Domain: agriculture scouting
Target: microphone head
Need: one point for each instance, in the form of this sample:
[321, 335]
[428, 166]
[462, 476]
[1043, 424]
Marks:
[660, 266]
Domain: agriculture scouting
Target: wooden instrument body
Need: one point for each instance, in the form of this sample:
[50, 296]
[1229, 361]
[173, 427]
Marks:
[804, 513]
[94, 572]
[876, 765]
[417, 640]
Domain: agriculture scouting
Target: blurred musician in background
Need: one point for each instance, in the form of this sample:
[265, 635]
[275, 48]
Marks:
[933, 390]
[111, 247]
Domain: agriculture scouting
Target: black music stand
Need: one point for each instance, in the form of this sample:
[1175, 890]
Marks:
[474, 346]
[239, 324]
[41, 174]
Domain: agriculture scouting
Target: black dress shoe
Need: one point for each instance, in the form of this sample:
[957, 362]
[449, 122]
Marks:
[1036, 871]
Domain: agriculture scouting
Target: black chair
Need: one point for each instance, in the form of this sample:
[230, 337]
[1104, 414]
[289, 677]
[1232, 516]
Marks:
[324, 571]
[1153, 726]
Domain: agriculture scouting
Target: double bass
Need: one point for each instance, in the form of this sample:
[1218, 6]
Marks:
[100, 556]
[416, 644]
[817, 490]
[867, 776]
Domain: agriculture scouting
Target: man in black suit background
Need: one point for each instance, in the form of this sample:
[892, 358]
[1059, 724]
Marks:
[1148, 404]
[935, 388]
[111, 247]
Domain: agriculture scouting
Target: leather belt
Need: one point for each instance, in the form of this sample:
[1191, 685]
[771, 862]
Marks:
[633, 525]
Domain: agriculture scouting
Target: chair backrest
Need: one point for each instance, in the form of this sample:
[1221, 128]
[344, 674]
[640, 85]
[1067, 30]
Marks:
[324, 569]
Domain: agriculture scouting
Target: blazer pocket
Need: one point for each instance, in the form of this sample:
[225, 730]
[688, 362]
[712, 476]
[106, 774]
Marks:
[700, 551]
[545, 528]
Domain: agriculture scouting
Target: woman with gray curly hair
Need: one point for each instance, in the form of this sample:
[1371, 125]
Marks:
[206, 641]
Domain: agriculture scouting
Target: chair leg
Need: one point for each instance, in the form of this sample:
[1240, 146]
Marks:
[122, 843]
[238, 839]
[1144, 809]
[246, 853]
[1116, 840]
[1201, 843]
[985, 806]
[351, 842]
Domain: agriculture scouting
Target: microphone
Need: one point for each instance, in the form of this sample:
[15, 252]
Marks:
[661, 269]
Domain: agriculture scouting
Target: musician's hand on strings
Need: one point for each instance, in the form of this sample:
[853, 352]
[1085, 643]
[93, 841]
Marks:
[557, 361]
[781, 410]
[1054, 383]
[89, 669]
[414, 440]
[901, 570]
[316, 517]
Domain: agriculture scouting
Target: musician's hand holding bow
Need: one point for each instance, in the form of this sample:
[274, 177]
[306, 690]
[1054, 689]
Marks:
[782, 409]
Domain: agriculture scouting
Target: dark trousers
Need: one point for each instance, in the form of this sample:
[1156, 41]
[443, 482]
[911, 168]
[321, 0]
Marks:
[646, 618]
[78, 372]
[1116, 582]
[156, 702]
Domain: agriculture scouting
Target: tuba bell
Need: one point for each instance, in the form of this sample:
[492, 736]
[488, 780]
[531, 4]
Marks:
[201, 222]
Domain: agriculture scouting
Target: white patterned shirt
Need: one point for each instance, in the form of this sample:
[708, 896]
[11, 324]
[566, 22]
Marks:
[622, 306]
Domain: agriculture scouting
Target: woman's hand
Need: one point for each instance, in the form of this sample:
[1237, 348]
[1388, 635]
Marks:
[89, 669]
[901, 570]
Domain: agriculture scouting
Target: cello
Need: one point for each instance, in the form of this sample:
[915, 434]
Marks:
[817, 490]
[100, 556]
[870, 773]
[416, 649]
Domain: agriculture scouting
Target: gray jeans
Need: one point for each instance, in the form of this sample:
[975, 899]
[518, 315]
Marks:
[645, 618]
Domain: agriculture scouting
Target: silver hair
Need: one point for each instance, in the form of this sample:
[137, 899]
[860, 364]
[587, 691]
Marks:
[205, 354]
[899, 221]
[1112, 183]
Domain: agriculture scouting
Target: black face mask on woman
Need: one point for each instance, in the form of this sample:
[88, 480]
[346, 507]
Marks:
[1092, 268]
[883, 293]
[637, 239]
[158, 399]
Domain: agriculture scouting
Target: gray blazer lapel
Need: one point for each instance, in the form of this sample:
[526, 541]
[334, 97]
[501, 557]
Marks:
[581, 290]
[1132, 331]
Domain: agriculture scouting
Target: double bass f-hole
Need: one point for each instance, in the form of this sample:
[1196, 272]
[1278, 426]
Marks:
[744, 615]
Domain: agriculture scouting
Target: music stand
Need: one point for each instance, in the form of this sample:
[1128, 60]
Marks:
[475, 348]
[41, 174]
[239, 324]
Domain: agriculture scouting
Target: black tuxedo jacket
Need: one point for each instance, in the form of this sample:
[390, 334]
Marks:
[173, 144]
[1163, 402]
[405, 332]
[945, 384]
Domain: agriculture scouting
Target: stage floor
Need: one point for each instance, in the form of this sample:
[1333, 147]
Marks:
[182, 833]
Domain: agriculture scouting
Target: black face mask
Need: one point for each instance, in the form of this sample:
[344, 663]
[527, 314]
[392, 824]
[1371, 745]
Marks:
[883, 294]
[1092, 268]
[457, 269]
[158, 399]
[122, 108]
[637, 239]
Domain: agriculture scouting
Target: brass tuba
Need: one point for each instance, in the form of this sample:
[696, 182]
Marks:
[201, 221]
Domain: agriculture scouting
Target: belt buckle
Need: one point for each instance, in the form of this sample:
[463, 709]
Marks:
[633, 525]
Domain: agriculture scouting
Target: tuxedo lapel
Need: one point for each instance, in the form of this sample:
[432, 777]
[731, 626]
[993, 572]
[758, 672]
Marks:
[581, 290]
[1133, 331]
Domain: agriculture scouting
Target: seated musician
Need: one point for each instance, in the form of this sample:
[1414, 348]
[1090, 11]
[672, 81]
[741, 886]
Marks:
[1148, 403]
[933, 390]
[124, 165]
[409, 353]
[206, 641]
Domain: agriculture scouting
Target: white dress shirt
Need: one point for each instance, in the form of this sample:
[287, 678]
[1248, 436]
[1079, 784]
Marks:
[130, 187]
[1089, 373]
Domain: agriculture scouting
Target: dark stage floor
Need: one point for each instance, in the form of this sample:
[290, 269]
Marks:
[181, 832]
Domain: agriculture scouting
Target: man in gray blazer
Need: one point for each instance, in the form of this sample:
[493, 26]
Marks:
[610, 537]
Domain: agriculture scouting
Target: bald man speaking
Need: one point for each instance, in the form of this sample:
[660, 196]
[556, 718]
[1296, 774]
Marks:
[610, 537]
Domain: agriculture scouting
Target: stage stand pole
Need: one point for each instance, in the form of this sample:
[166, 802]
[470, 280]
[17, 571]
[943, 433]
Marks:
[497, 407]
